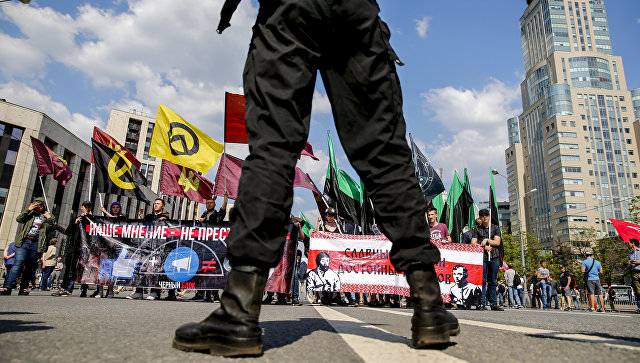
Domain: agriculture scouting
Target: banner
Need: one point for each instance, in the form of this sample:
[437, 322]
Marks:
[353, 263]
[165, 254]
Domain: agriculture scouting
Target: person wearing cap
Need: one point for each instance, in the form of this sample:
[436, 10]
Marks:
[487, 235]
[32, 240]
[591, 268]
[634, 266]
[566, 281]
[330, 225]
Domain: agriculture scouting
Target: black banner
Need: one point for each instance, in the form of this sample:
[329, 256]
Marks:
[165, 254]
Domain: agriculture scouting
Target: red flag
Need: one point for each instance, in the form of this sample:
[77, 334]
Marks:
[235, 128]
[49, 162]
[308, 151]
[280, 279]
[302, 180]
[184, 182]
[230, 169]
[106, 139]
[626, 230]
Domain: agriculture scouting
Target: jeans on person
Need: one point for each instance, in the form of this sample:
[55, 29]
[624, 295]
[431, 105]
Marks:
[513, 295]
[576, 302]
[25, 257]
[546, 294]
[555, 299]
[44, 281]
[489, 281]
[501, 298]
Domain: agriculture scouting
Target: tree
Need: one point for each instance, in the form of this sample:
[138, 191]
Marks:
[612, 254]
[634, 210]
[532, 252]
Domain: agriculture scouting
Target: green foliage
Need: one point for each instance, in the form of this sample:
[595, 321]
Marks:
[612, 254]
[634, 210]
[532, 252]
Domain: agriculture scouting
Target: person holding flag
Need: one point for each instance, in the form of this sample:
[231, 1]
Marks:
[294, 40]
[488, 236]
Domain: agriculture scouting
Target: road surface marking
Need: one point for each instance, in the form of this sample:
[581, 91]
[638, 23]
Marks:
[374, 344]
[611, 342]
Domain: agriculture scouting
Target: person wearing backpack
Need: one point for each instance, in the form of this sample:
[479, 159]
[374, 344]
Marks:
[513, 280]
[567, 283]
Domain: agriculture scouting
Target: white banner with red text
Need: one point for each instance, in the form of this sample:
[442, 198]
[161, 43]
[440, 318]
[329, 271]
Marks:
[352, 263]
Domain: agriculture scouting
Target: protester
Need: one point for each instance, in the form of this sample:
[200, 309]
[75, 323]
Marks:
[32, 240]
[488, 236]
[501, 291]
[9, 257]
[298, 277]
[575, 296]
[612, 297]
[543, 274]
[439, 231]
[71, 251]
[634, 267]
[357, 65]
[115, 215]
[156, 215]
[567, 280]
[48, 264]
[553, 288]
[592, 269]
[512, 287]
[57, 271]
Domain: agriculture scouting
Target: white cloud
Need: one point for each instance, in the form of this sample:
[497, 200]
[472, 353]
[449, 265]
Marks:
[158, 51]
[78, 124]
[422, 25]
[476, 122]
[321, 104]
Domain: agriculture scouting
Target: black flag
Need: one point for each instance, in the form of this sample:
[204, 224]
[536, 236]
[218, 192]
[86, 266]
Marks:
[115, 174]
[429, 180]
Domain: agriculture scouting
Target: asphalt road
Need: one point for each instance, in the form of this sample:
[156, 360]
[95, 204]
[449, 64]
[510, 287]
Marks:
[41, 327]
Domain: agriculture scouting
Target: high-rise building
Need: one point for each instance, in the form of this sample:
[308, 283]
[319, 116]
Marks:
[134, 130]
[574, 142]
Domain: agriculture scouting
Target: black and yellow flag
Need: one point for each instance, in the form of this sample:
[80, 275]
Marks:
[178, 141]
[115, 174]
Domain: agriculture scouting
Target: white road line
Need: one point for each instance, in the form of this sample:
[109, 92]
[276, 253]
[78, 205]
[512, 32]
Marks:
[374, 344]
[611, 342]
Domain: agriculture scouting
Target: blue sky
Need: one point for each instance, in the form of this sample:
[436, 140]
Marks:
[76, 60]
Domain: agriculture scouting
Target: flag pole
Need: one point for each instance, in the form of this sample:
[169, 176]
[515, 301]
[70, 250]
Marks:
[43, 193]
[224, 141]
[90, 181]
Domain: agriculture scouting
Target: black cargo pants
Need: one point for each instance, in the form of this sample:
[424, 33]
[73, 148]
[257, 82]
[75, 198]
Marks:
[348, 43]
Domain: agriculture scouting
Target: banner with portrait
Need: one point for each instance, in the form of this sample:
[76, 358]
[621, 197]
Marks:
[167, 254]
[352, 263]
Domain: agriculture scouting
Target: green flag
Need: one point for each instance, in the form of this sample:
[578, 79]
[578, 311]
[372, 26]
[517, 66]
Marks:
[467, 187]
[308, 226]
[343, 191]
[457, 208]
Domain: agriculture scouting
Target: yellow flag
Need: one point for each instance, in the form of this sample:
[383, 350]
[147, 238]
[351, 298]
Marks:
[178, 141]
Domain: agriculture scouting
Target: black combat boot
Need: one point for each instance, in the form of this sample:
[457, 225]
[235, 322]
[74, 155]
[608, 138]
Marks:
[431, 324]
[232, 330]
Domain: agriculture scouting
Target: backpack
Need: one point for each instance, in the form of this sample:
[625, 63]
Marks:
[516, 280]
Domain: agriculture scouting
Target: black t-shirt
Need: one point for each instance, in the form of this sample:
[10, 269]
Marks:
[216, 218]
[564, 278]
[482, 232]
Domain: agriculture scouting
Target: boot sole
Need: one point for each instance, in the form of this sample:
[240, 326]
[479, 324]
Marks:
[222, 346]
[426, 337]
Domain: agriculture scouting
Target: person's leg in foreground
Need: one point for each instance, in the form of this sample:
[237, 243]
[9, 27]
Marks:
[348, 44]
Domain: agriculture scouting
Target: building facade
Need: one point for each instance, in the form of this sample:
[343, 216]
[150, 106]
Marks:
[575, 142]
[20, 184]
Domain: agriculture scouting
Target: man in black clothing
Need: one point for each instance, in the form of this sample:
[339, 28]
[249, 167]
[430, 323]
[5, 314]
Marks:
[566, 280]
[348, 44]
[217, 219]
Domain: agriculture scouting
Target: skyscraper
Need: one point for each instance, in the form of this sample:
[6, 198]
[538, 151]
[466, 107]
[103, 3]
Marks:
[574, 141]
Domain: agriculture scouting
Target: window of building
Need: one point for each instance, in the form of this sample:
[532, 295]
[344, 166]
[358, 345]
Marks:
[10, 139]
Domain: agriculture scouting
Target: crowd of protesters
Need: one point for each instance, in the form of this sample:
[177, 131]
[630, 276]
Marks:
[35, 250]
